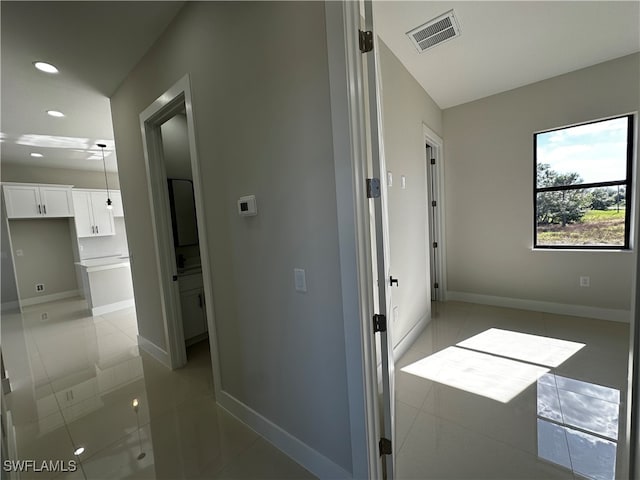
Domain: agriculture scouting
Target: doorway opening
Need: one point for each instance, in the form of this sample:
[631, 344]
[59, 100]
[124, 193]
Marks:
[435, 205]
[173, 174]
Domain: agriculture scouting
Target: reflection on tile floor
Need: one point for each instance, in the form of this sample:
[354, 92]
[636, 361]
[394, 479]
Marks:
[74, 380]
[562, 422]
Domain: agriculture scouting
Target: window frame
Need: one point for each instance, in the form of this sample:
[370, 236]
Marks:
[628, 183]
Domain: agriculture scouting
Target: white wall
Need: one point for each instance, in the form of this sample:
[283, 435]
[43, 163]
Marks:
[62, 176]
[405, 108]
[489, 190]
[263, 127]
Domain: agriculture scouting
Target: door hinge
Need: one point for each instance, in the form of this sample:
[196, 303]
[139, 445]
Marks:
[434, 203]
[435, 285]
[366, 40]
[433, 161]
[385, 446]
[435, 244]
[379, 323]
[373, 187]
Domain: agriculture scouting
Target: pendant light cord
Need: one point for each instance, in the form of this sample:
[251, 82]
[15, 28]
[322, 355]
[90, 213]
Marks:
[104, 166]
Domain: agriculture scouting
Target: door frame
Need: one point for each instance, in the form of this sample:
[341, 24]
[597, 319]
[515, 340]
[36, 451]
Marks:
[437, 170]
[162, 109]
[349, 110]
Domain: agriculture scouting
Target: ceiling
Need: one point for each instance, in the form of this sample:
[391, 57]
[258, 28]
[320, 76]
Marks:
[507, 44]
[503, 45]
[94, 45]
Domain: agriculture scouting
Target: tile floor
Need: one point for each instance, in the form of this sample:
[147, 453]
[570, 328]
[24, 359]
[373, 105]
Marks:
[74, 379]
[564, 421]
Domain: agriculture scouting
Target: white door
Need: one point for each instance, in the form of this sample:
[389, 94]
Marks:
[383, 261]
[22, 201]
[83, 214]
[56, 201]
[102, 217]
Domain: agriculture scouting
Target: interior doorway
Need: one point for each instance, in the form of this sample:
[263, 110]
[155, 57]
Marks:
[435, 205]
[173, 176]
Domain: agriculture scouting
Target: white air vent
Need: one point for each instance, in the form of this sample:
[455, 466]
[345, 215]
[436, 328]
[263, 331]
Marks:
[434, 32]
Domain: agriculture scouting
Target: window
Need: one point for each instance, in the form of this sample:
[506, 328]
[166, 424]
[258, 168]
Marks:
[582, 185]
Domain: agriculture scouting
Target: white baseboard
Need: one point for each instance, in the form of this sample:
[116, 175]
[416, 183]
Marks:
[112, 307]
[547, 307]
[299, 451]
[156, 352]
[403, 345]
[25, 302]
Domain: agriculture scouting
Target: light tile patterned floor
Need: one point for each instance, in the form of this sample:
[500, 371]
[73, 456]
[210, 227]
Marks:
[74, 378]
[557, 427]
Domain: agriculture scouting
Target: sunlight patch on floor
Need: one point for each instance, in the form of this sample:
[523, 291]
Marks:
[494, 377]
[478, 364]
[550, 352]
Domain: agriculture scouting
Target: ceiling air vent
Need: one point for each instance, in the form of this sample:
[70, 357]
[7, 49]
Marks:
[434, 32]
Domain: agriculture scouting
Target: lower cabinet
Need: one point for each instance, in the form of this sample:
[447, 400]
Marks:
[194, 319]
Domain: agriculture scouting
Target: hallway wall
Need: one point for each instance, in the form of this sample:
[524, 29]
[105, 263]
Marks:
[405, 108]
[263, 126]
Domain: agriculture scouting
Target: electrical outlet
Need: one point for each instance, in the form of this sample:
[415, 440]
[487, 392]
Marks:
[39, 287]
[19, 253]
[44, 316]
[585, 281]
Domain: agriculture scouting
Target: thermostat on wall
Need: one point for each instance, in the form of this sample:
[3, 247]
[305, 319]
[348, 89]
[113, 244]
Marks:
[247, 206]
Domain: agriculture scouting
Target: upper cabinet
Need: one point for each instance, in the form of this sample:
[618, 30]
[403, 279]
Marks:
[116, 197]
[29, 200]
[93, 218]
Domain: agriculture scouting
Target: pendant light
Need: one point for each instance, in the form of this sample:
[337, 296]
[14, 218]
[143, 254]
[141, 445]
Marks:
[104, 165]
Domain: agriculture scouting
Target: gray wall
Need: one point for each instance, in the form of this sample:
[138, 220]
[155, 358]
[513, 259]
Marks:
[489, 185]
[7, 279]
[47, 256]
[263, 127]
[62, 176]
[406, 107]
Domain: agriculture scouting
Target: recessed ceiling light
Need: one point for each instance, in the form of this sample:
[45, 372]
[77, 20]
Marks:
[78, 451]
[55, 113]
[45, 67]
[37, 155]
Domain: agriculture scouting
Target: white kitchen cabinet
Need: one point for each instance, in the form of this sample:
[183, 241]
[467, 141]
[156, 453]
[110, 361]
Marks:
[194, 318]
[31, 200]
[93, 218]
[116, 198]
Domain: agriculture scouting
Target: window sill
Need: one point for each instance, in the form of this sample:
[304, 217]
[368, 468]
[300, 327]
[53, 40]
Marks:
[583, 250]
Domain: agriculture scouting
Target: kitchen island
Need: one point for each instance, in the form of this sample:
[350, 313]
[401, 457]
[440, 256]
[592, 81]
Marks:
[106, 282]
